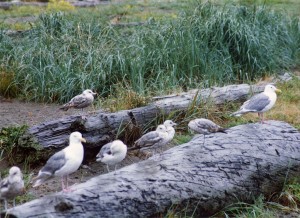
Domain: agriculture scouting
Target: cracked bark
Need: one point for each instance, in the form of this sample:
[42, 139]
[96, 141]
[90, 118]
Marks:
[102, 127]
[249, 160]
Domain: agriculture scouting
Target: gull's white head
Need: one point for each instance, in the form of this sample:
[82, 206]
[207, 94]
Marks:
[89, 92]
[15, 171]
[191, 125]
[168, 123]
[118, 146]
[161, 129]
[76, 137]
[271, 88]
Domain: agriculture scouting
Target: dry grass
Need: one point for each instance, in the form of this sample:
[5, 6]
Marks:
[124, 98]
[6, 84]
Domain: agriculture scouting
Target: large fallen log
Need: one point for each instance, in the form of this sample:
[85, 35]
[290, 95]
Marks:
[102, 127]
[249, 160]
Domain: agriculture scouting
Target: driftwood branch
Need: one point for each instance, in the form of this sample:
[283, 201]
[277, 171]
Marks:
[102, 127]
[249, 160]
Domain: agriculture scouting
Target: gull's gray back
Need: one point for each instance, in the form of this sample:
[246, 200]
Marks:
[54, 163]
[257, 103]
[148, 139]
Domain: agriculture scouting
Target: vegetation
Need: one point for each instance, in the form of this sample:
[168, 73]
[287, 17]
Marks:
[14, 143]
[204, 45]
[255, 210]
[9, 138]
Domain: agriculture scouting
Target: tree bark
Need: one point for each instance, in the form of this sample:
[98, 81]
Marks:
[100, 128]
[249, 160]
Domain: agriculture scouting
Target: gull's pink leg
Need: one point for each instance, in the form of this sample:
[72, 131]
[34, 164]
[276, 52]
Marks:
[67, 178]
[261, 116]
[67, 189]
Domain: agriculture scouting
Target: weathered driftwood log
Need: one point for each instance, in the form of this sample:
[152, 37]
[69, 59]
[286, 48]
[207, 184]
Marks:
[102, 127]
[249, 160]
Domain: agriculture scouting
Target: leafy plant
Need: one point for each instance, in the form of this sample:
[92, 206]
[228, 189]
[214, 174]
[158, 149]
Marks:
[14, 142]
[9, 138]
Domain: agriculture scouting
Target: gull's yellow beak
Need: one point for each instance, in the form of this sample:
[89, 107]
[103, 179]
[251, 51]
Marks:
[278, 91]
[82, 140]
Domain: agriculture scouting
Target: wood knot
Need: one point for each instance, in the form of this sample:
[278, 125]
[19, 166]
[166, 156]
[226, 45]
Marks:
[63, 206]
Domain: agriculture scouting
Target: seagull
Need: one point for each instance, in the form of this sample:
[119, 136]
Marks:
[63, 162]
[170, 129]
[80, 101]
[112, 153]
[205, 127]
[12, 186]
[153, 139]
[259, 103]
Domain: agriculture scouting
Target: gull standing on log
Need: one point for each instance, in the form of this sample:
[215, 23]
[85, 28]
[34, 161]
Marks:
[63, 162]
[170, 130]
[205, 127]
[259, 103]
[80, 101]
[112, 153]
[153, 139]
[12, 186]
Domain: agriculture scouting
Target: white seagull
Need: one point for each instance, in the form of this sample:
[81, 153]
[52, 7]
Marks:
[112, 153]
[153, 139]
[205, 127]
[63, 162]
[259, 103]
[170, 130]
[80, 101]
[12, 186]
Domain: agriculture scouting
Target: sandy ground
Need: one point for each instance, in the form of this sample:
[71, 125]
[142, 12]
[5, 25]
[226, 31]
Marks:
[15, 112]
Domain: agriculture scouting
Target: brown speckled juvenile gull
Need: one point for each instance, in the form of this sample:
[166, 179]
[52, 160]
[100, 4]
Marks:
[205, 127]
[80, 101]
[12, 186]
[63, 162]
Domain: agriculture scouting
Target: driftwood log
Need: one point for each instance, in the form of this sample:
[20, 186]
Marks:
[100, 128]
[249, 160]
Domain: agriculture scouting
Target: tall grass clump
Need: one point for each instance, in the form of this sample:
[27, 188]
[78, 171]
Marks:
[206, 44]
[255, 210]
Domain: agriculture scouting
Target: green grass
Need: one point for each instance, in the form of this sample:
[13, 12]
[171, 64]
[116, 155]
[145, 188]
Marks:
[291, 7]
[204, 45]
[9, 139]
[244, 210]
